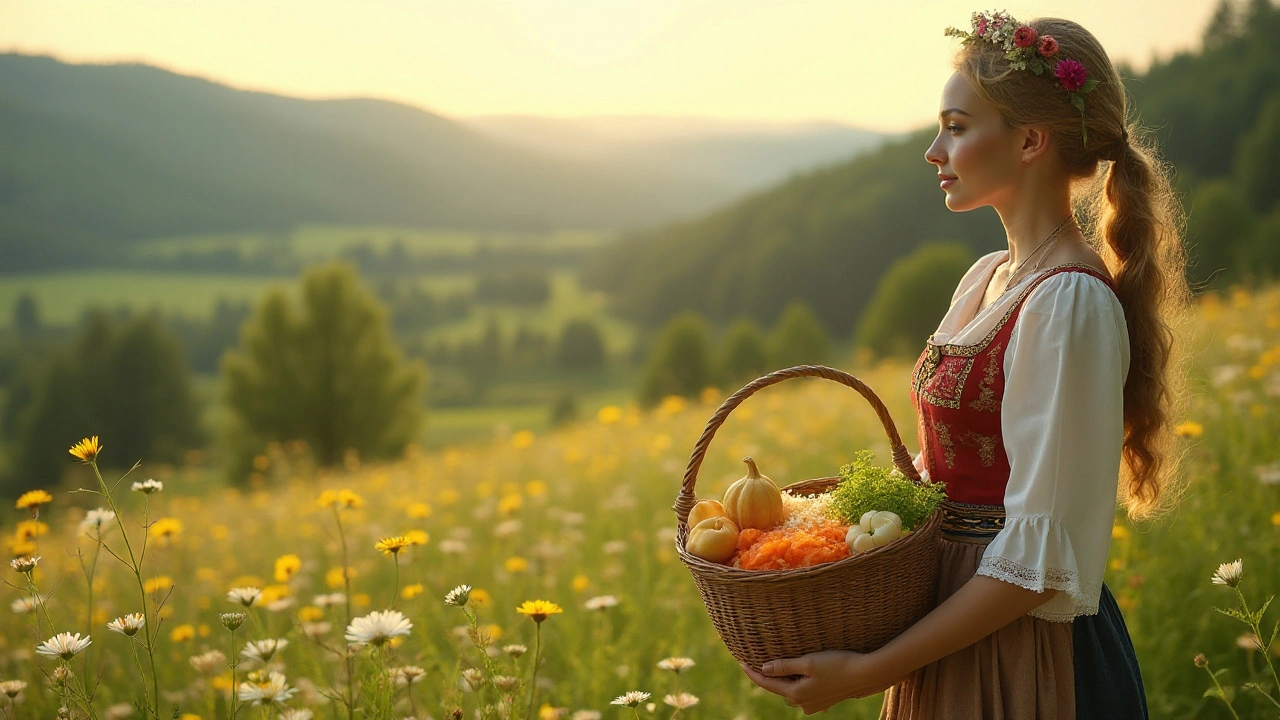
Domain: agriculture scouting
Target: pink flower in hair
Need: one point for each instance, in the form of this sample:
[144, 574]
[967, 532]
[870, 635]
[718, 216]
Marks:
[1071, 74]
[1048, 46]
[1025, 36]
[982, 27]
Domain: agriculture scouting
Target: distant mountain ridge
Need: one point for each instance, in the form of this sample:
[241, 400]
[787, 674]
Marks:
[94, 157]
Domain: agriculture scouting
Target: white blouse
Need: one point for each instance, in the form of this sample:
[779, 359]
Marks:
[1063, 428]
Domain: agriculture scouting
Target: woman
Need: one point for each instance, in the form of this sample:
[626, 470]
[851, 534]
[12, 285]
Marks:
[1049, 376]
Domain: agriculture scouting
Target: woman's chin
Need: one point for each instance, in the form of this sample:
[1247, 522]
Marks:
[957, 203]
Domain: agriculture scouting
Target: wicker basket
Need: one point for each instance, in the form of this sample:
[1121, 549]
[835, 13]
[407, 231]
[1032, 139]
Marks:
[858, 603]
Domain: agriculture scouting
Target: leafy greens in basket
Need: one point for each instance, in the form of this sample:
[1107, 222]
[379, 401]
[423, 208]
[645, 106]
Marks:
[864, 487]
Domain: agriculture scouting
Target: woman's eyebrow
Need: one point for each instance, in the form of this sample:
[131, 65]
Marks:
[953, 111]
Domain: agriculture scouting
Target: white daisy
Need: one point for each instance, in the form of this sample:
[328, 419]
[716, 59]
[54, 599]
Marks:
[148, 486]
[586, 715]
[127, 624]
[378, 627]
[263, 650]
[330, 599]
[24, 605]
[92, 523]
[676, 664]
[246, 596]
[630, 699]
[682, 701]
[1229, 574]
[11, 688]
[452, 547]
[602, 602]
[208, 663]
[408, 674]
[273, 690]
[25, 564]
[299, 714]
[63, 645]
[316, 630]
[458, 596]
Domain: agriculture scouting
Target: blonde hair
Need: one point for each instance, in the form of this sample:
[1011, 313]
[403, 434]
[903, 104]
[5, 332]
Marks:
[1135, 223]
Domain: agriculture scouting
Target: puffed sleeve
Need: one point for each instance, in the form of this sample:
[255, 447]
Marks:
[1063, 428]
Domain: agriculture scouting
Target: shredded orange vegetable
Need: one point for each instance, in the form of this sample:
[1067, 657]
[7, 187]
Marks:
[790, 547]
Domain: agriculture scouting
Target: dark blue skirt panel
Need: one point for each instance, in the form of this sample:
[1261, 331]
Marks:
[1108, 683]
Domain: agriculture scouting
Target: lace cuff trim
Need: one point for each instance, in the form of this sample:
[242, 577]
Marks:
[1066, 581]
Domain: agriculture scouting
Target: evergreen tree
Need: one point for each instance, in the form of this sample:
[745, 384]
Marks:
[128, 384]
[912, 298]
[1258, 156]
[798, 338]
[580, 347]
[1219, 221]
[327, 373]
[680, 363]
[26, 316]
[744, 353]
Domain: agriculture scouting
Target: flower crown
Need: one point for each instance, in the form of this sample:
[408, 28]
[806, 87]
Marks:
[1025, 49]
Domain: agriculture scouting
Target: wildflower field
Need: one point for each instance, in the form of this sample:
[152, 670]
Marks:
[536, 576]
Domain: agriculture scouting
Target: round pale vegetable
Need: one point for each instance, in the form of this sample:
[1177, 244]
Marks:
[863, 543]
[705, 509]
[713, 539]
[875, 529]
[754, 501]
[874, 519]
[885, 534]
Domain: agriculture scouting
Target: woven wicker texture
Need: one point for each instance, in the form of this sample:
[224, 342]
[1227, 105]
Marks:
[858, 603]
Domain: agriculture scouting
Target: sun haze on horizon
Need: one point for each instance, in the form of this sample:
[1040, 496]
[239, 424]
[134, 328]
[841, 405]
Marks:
[872, 65]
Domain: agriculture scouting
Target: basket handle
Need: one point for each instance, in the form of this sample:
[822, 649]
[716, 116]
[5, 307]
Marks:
[901, 457]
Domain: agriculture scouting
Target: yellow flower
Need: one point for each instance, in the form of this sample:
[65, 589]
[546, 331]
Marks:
[522, 439]
[580, 583]
[419, 511]
[510, 503]
[671, 405]
[33, 499]
[328, 498]
[1275, 519]
[410, 592]
[709, 395]
[1257, 372]
[609, 414]
[516, 564]
[191, 716]
[1190, 429]
[334, 578]
[310, 613]
[348, 499]
[534, 488]
[182, 633]
[157, 583]
[164, 529]
[272, 593]
[538, 610]
[449, 496]
[86, 450]
[19, 547]
[417, 537]
[494, 631]
[27, 529]
[392, 545]
[1117, 564]
[481, 597]
[287, 566]
[1119, 532]
[361, 599]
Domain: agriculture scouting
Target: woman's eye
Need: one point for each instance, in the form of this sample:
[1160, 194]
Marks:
[953, 129]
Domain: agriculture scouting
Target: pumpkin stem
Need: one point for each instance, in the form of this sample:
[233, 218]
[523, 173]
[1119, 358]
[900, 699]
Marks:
[753, 472]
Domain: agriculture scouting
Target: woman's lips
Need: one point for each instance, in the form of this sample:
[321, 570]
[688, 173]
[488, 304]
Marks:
[945, 181]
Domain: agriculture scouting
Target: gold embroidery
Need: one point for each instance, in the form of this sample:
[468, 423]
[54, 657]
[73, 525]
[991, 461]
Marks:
[948, 447]
[944, 387]
[986, 447]
[986, 401]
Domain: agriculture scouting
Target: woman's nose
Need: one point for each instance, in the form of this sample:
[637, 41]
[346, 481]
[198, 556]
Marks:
[934, 155]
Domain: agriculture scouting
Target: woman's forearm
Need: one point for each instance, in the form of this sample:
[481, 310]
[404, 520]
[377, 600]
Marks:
[982, 606]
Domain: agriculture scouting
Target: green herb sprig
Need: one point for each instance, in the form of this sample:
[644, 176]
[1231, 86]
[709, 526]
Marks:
[864, 487]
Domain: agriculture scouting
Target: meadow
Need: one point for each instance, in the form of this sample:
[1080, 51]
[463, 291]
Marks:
[579, 517]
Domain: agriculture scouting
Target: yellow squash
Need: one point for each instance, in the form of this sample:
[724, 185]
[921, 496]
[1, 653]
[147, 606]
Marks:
[754, 501]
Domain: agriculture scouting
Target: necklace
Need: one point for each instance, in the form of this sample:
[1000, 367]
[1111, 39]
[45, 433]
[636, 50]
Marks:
[1052, 236]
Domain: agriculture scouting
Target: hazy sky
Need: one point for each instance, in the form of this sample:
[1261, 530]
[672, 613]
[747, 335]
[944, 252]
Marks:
[875, 64]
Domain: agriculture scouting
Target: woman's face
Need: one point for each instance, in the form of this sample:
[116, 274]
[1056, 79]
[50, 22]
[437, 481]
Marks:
[977, 156]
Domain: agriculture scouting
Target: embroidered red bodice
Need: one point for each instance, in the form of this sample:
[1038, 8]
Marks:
[957, 391]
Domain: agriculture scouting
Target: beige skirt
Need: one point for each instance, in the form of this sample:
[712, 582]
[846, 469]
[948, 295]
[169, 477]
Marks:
[1024, 671]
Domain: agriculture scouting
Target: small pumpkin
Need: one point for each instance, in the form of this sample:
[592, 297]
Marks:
[704, 509]
[754, 501]
[714, 539]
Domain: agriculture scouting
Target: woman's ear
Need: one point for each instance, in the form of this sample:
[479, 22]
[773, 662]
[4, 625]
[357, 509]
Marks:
[1035, 142]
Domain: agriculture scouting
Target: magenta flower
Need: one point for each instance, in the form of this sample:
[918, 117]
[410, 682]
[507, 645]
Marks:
[1071, 74]
[1048, 46]
[1025, 36]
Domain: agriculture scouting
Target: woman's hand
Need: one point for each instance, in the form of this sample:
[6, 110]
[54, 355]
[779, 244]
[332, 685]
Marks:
[827, 678]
